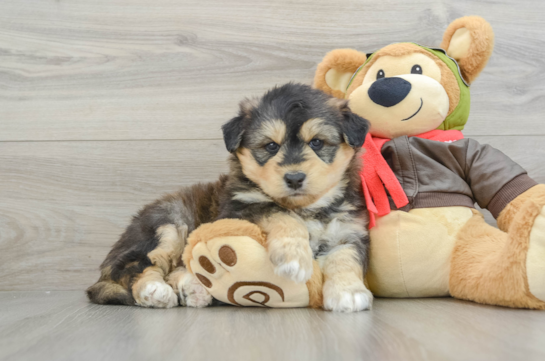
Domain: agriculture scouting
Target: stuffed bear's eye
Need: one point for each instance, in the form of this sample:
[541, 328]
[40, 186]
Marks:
[272, 147]
[416, 69]
[380, 74]
[316, 144]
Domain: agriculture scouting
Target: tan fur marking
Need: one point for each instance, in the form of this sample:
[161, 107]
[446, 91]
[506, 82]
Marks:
[315, 285]
[169, 250]
[489, 266]
[316, 126]
[150, 274]
[173, 278]
[269, 177]
[274, 130]
[282, 225]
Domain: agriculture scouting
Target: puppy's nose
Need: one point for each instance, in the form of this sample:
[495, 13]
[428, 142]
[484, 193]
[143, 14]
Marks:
[295, 180]
[389, 91]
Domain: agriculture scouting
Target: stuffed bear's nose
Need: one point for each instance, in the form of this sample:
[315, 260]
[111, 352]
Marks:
[389, 91]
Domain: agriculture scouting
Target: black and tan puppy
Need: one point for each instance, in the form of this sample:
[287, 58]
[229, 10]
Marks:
[294, 172]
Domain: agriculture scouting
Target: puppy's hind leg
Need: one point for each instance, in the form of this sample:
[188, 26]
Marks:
[150, 288]
[189, 289]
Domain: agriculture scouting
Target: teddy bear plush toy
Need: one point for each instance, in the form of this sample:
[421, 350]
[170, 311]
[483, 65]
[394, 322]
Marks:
[422, 177]
[421, 180]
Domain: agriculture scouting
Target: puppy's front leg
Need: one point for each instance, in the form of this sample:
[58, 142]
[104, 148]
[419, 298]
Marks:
[344, 290]
[288, 246]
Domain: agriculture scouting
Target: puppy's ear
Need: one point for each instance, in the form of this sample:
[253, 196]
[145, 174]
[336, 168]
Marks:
[354, 127]
[233, 130]
[232, 133]
[334, 72]
[470, 41]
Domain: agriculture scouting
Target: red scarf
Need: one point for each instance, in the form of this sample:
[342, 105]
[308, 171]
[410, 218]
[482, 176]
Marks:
[377, 176]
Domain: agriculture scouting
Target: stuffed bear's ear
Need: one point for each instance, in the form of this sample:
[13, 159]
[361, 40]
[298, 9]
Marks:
[336, 69]
[470, 41]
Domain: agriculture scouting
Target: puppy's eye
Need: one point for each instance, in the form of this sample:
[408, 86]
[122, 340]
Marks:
[316, 144]
[416, 69]
[272, 147]
[380, 74]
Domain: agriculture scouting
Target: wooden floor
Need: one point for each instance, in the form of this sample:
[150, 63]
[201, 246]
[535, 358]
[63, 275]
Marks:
[106, 104]
[63, 326]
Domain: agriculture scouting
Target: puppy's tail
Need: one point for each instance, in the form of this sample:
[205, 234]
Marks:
[109, 293]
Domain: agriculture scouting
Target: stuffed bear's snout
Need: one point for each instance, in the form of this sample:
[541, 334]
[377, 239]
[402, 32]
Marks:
[389, 91]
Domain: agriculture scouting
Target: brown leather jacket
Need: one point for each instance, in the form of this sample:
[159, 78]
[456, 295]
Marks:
[461, 173]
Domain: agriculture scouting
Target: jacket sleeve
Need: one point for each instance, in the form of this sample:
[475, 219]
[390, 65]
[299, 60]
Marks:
[494, 178]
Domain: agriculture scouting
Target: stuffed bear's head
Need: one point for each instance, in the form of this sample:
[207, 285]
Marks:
[408, 89]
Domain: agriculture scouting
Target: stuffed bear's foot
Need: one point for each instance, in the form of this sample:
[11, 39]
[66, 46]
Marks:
[230, 260]
[503, 267]
[525, 216]
[535, 260]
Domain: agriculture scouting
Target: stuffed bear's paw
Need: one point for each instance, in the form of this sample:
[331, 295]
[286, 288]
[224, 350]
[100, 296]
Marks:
[157, 294]
[292, 258]
[237, 270]
[192, 293]
[351, 296]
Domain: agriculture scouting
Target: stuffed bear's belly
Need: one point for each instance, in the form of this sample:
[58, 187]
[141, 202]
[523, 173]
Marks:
[410, 251]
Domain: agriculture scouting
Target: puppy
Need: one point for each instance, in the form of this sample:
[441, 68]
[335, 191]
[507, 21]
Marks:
[294, 171]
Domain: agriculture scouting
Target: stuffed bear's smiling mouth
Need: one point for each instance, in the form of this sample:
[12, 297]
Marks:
[421, 103]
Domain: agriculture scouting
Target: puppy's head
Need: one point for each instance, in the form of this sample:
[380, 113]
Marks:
[295, 143]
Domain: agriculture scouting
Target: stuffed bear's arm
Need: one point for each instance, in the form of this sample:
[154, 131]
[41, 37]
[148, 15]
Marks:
[494, 178]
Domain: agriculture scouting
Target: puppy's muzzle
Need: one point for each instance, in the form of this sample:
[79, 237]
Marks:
[294, 180]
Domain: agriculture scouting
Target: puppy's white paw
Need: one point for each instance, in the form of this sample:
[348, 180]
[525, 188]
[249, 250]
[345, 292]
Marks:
[292, 258]
[192, 293]
[349, 297]
[159, 295]
[294, 271]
